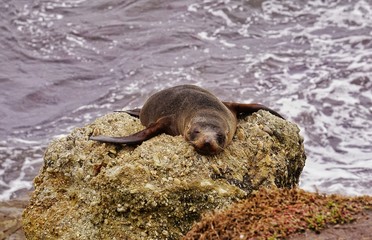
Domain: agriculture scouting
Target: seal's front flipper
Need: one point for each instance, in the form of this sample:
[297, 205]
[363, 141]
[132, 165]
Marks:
[244, 109]
[129, 140]
[154, 129]
[133, 112]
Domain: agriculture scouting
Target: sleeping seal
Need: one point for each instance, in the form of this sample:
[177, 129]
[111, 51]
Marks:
[205, 122]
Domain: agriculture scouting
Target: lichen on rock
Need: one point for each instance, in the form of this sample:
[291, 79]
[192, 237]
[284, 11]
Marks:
[157, 190]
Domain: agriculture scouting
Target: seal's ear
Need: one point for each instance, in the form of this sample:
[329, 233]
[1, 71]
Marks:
[244, 109]
[152, 130]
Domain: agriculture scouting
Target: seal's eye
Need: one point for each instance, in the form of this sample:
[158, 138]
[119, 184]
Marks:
[220, 138]
[193, 134]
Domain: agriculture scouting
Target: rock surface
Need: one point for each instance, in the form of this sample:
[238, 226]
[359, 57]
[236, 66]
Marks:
[10, 219]
[157, 190]
[360, 229]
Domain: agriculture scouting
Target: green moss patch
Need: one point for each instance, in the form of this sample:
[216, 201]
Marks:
[275, 214]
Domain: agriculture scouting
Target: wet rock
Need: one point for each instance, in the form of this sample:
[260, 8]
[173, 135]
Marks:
[157, 190]
[10, 218]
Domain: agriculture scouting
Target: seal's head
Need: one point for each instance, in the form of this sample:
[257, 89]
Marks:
[206, 138]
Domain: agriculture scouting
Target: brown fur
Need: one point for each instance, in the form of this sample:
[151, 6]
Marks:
[204, 121]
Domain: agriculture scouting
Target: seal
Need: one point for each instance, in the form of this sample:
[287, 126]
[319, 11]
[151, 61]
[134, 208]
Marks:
[207, 123]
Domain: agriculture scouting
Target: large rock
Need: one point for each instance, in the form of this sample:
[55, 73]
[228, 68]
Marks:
[157, 190]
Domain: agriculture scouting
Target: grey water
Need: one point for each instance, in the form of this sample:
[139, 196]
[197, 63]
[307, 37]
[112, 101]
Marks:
[64, 63]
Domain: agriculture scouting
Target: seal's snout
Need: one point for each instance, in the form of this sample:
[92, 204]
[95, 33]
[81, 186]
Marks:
[207, 143]
[207, 146]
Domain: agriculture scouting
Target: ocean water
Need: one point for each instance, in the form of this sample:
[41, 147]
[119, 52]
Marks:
[66, 62]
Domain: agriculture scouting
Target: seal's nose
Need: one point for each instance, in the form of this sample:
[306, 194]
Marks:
[208, 146]
[207, 143]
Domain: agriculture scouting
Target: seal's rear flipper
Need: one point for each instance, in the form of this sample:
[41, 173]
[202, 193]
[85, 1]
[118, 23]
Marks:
[154, 129]
[133, 112]
[244, 109]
